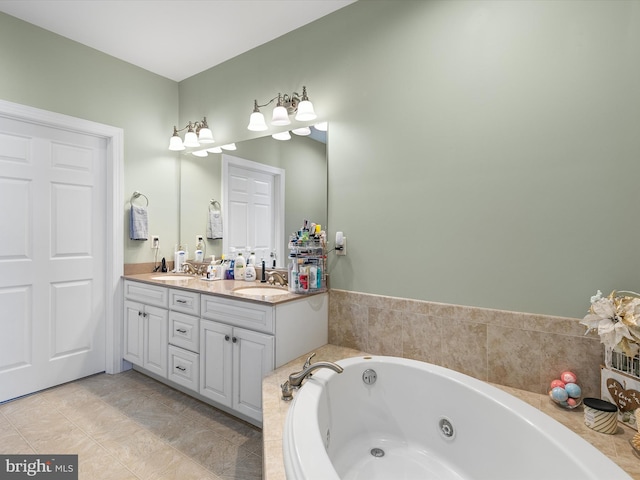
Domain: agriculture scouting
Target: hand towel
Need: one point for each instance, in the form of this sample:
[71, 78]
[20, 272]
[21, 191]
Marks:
[214, 225]
[138, 223]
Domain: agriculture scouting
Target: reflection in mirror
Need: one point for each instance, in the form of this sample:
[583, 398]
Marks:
[304, 161]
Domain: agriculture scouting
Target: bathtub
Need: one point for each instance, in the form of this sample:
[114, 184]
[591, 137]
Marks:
[392, 418]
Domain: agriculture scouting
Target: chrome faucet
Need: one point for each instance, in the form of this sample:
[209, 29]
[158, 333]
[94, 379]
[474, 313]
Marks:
[277, 278]
[190, 268]
[295, 379]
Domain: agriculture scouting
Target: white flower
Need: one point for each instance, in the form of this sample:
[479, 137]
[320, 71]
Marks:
[615, 319]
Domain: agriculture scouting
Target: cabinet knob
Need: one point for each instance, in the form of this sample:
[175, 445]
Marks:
[226, 337]
[234, 339]
[139, 314]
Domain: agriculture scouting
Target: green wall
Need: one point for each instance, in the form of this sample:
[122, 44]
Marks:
[43, 70]
[480, 152]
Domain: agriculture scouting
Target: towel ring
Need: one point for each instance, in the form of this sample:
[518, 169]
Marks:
[213, 203]
[137, 194]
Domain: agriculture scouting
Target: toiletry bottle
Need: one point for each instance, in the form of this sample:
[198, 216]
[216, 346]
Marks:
[304, 278]
[239, 267]
[252, 259]
[263, 274]
[313, 277]
[231, 264]
[294, 278]
[199, 258]
[250, 272]
[211, 268]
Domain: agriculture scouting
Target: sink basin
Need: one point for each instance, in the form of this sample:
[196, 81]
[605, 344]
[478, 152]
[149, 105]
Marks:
[263, 291]
[171, 278]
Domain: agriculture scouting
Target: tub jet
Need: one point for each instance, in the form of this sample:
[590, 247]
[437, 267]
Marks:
[377, 452]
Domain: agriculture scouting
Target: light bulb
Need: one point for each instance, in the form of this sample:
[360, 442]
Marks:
[256, 122]
[282, 136]
[280, 116]
[175, 144]
[191, 140]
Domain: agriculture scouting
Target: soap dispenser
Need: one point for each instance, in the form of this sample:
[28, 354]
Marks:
[250, 272]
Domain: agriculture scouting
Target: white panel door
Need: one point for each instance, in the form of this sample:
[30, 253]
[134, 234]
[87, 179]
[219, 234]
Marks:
[253, 207]
[215, 361]
[52, 256]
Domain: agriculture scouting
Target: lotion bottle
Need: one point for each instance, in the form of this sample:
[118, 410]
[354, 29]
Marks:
[250, 273]
[239, 268]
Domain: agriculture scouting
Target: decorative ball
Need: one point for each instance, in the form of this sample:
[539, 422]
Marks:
[559, 394]
[568, 377]
[557, 383]
[572, 402]
[573, 390]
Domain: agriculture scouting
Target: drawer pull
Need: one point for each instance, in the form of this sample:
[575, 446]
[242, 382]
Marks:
[181, 301]
[227, 337]
[182, 369]
[181, 330]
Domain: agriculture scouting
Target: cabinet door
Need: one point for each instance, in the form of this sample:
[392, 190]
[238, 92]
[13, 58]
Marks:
[252, 359]
[215, 361]
[133, 332]
[156, 328]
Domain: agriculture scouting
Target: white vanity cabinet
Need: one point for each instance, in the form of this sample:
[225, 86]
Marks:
[242, 341]
[145, 326]
[184, 338]
[218, 347]
[234, 360]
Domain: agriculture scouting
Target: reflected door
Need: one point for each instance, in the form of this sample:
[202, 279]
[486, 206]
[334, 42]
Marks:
[253, 207]
[52, 256]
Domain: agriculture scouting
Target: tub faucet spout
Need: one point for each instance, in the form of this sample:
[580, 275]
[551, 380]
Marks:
[295, 379]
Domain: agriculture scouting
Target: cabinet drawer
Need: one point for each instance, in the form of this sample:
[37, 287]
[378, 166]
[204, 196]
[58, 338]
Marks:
[238, 313]
[184, 331]
[184, 367]
[183, 301]
[145, 293]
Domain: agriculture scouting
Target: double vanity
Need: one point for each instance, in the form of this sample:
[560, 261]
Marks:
[216, 340]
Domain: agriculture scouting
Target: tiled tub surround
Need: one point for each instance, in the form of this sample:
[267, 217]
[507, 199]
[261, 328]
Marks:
[275, 410]
[519, 350]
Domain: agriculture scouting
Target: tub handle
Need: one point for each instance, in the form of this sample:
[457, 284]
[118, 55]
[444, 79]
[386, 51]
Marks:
[307, 364]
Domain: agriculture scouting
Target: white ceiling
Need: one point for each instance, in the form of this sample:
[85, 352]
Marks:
[173, 38]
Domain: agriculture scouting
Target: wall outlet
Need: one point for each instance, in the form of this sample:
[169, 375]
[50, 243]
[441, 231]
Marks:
[155, 242]
[343, 251]
[199, 238]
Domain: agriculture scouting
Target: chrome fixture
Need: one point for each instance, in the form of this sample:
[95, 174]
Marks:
[197, 133]
[297, 104]
[295, 379]
[277, 278]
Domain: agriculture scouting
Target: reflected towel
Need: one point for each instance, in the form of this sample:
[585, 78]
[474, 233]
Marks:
[214, 225]
[138, 223]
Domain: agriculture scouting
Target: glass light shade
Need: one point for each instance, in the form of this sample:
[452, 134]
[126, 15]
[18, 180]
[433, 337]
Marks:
[256, 122]
[322, 126]
[191, 140]
[302, 131]
[282, 136]
[199, 153]
[214, 150]
[280, 116]
[305, 111]
[229, 146]
[175, 144]
[205, 136]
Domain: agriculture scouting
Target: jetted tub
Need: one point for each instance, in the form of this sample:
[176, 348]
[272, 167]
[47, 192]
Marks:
[392, 418]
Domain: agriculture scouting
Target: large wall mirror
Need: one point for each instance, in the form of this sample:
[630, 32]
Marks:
[304, 161]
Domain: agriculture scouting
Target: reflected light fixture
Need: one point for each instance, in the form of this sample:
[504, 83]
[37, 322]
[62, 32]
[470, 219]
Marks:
[287, 105]
[198, 133]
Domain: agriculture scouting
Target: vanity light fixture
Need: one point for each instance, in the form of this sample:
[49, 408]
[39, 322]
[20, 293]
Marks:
[287, 105]
[197, 133]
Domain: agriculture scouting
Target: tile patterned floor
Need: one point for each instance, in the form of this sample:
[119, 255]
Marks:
[130, 427]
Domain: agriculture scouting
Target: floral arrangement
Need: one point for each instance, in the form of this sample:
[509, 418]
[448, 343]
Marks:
[616, 318]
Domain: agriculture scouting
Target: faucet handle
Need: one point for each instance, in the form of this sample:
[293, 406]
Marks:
[307, 364]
